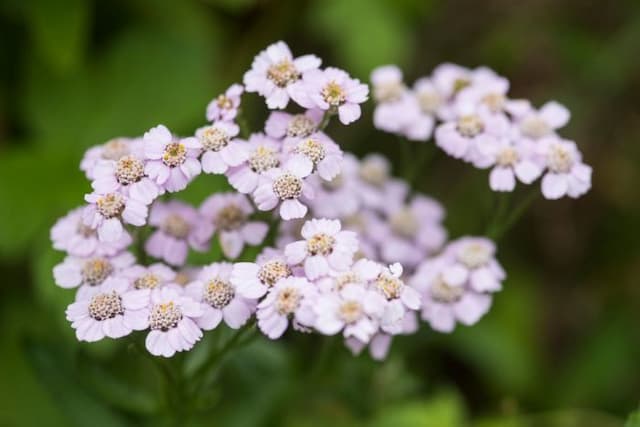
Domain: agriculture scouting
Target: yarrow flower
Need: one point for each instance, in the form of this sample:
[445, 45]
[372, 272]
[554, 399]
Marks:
[332, 90]
[285, 187]
[170, 318]
[111, 150]
[275, 73]
[230, 215]
[179, 226]
[218, 298]
[172, 163]
[72, 235]
[263, 154]
[225, 106]
[106, 213]
[566, 174]
[111, 309]
[253, 279]
[325, 248]
[220, 150]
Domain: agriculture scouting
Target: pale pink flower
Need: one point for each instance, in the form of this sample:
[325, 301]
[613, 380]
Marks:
[111, 150]
[229, 213]
[446, 297]
[414, 230]
[323, 155]
[275, 72]
[285, 186]
[107, 212]
[376, 187]
[172, 162]
[225, 106]
[362, 272]
[264, 154]
[404, 117]
[354, 310]
[332, 90]
[475, 256]
[510, 161]
[535, 124]
[253, 279]
[179, 226]
[486, 88]
[566, 174]
[126, 176]
[111, 309]
[387, 83]
[218, 298]
[474, 127]
[220, 149]
[71, 235]
[289, 298]
[171, 318]
[400, 297]
[325, 248]
[449, 79]
[149, 277]
[90, 272]
[432, 101]
[283, 125]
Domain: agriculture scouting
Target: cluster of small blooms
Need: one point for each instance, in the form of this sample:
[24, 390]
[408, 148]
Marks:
[348, 228]
[481, 125]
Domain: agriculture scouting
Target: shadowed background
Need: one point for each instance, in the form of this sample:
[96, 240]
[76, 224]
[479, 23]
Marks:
[560, 346]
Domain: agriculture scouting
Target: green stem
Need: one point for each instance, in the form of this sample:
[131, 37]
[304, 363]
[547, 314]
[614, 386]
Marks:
[241, 119]
[506, 218]
[326, 118]
[202, 374]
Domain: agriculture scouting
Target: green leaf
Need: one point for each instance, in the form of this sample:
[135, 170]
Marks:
[633, 420]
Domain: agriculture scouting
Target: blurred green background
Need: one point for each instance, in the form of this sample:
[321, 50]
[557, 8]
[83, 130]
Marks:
[559, 348]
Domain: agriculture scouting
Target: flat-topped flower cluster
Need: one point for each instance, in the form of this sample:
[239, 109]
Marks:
[352, 250]
[476, 121]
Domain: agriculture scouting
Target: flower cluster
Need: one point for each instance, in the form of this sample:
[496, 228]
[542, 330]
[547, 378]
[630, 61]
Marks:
[344, 247]
[481, 125]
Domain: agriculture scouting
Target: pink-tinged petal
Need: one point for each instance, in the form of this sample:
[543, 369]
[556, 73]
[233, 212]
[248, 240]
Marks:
[273, 327]
[483, 280]
[555, 114]
[300, 166]
[254, 232]
[329, 168]
[135, 213]
[110, 230]
[190, 168]
[243, 179]
[502, 179]
[175, 251]
[144, 191]
[136, 300]
[234, 154]
[554, 186]
[177, 181]
[265, 198]
[212, 163]
[411, 298]
[299, 92]
[379, 347]
[108, 184]
[236, 313]
[115, 327]
[210, 319]
[349, 113]
[278, 99]
[295, 252]
[328, 324]
[292, 209]
[316, 266]
[94, 332]
[307, 62]
[157, 171]
[158, 133]
[527, 171]
[154, 149]
[137, 320]
[231, 243]
[67, 275]
[440, 317]
[190, 331]
[154, 343]
[471, 308]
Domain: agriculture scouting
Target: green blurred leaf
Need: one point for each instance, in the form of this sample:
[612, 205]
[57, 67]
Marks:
[59, 30]
[633, 420]
[443, 410]
[58, 375]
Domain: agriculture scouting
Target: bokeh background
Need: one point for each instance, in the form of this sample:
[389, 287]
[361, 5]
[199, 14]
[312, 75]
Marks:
[561, 344]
